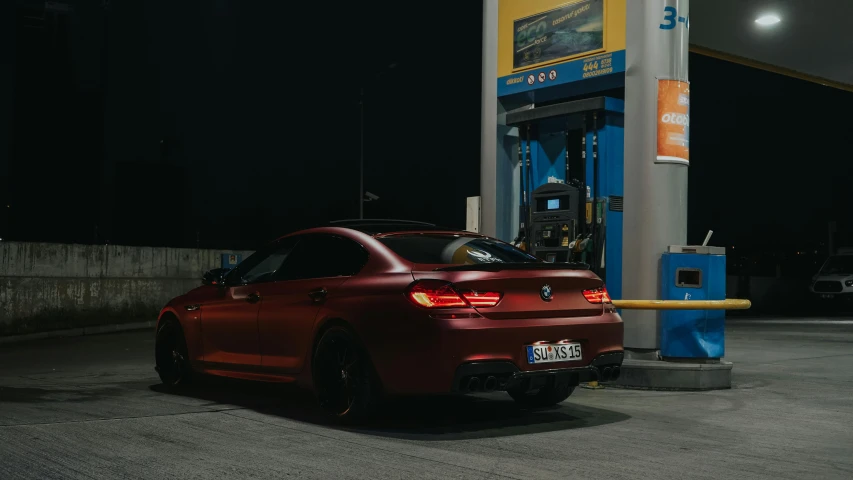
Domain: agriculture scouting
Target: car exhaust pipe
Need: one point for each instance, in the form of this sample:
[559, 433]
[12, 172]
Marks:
[490, 384]
[615, 373]
[596, 374]
[605, 375]
[473, 384]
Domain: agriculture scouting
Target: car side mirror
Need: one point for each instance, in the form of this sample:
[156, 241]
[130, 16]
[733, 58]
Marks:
[215, 276]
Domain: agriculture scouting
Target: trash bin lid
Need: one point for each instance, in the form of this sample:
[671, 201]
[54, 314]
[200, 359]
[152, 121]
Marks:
[697, 249]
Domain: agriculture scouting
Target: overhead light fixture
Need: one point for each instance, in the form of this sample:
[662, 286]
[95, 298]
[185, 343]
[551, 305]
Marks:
[767, 20]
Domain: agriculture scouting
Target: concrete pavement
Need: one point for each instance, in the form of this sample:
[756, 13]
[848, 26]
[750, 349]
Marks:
[91, 407]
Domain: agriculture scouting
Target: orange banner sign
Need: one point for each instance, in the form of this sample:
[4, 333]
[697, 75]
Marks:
[673, 122]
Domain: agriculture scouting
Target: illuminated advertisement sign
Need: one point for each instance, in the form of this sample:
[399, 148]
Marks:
[673, 122]
[568, 31]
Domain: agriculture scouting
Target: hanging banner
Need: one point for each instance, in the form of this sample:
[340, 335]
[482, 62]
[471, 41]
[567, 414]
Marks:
[673, 123]
[569, 31]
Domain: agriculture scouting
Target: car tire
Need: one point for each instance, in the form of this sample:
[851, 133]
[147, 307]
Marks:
[343, 376]
[545, 397]
[171, 354]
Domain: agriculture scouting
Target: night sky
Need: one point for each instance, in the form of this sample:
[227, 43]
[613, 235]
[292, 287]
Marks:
[770, 157]
[222, 125]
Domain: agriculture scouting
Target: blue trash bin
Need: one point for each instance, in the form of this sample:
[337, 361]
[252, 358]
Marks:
[693, 273]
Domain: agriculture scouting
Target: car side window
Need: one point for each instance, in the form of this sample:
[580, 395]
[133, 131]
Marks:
[263, 265]
[322, 256]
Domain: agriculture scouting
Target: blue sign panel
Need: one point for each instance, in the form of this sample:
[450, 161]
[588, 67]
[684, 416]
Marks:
[563, 73]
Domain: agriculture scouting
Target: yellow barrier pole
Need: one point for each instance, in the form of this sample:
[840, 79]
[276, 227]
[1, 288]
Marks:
[729, 304]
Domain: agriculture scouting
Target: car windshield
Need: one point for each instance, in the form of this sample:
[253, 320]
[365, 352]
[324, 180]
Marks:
[459, 249]
[838, 264]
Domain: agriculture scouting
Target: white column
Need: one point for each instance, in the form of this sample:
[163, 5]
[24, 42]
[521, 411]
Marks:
[655, 211]
[489, 120]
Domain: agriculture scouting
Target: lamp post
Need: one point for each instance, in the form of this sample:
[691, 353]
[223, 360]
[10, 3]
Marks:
[361, 156]
[361, 192]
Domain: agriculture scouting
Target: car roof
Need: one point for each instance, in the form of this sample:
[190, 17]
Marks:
[381, 229]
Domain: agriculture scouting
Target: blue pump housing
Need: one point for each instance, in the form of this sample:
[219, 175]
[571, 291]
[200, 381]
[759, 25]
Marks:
[693, 273]
[548, 163]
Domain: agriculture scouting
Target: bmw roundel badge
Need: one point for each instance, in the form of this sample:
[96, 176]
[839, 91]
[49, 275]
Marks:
[545, 293]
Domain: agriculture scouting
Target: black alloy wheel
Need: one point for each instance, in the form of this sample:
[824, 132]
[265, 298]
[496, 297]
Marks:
[342, 376]
[171, 355]
[546, 396]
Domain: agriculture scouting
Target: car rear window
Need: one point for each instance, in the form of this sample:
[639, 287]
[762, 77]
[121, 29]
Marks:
[454, 249]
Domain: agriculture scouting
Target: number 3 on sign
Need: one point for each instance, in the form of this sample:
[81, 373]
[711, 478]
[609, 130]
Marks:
[671, 19]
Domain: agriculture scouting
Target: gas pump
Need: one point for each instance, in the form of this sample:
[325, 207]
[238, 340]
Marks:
[571, 161]
[555, 221]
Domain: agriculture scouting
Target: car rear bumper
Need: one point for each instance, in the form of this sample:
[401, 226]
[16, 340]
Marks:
[433, 356]
[497, 376]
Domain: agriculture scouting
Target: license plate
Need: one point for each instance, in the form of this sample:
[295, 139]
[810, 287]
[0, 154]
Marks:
[562, 352]
[827, 296]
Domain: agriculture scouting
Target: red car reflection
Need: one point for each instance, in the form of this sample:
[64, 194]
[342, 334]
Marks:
[364, 309]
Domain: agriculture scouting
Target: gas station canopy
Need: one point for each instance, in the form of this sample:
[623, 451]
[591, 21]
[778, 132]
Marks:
[808, 40]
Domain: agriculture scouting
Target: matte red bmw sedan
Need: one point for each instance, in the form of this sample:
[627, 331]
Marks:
[363, 309]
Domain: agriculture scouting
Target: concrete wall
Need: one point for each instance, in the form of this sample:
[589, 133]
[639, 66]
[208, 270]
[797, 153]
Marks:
[47, 287]
[53, 286]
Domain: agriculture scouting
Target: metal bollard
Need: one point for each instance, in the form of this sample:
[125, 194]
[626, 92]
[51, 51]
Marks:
[730, 304]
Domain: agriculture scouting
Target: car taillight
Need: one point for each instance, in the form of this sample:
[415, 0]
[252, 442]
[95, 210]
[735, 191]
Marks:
[482, 299]
[434, 294]
[597, 295]
[439, 294]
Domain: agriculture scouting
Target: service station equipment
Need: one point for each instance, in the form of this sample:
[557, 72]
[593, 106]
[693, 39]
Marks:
[571, 183]
[693, 273]
[555, 221]
[583, 107]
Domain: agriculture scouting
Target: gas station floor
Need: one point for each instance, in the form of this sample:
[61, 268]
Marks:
[90, 407]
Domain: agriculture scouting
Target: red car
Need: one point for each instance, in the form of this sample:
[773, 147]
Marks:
[363, 309]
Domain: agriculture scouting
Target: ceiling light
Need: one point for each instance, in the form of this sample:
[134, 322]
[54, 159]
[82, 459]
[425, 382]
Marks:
[767, 20]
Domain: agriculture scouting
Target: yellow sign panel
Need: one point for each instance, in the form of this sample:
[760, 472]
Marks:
[569, 31]
[533, 33]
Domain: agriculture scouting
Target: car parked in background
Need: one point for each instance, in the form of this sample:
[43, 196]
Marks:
[834, 281]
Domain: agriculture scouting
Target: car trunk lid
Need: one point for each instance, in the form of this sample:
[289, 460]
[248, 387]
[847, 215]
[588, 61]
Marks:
[533, 290]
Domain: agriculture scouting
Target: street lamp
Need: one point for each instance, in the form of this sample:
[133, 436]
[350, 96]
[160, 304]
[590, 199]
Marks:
[361, 192]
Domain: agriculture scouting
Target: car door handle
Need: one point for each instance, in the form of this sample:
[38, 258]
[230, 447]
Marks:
[253, 297]
[318, 295]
